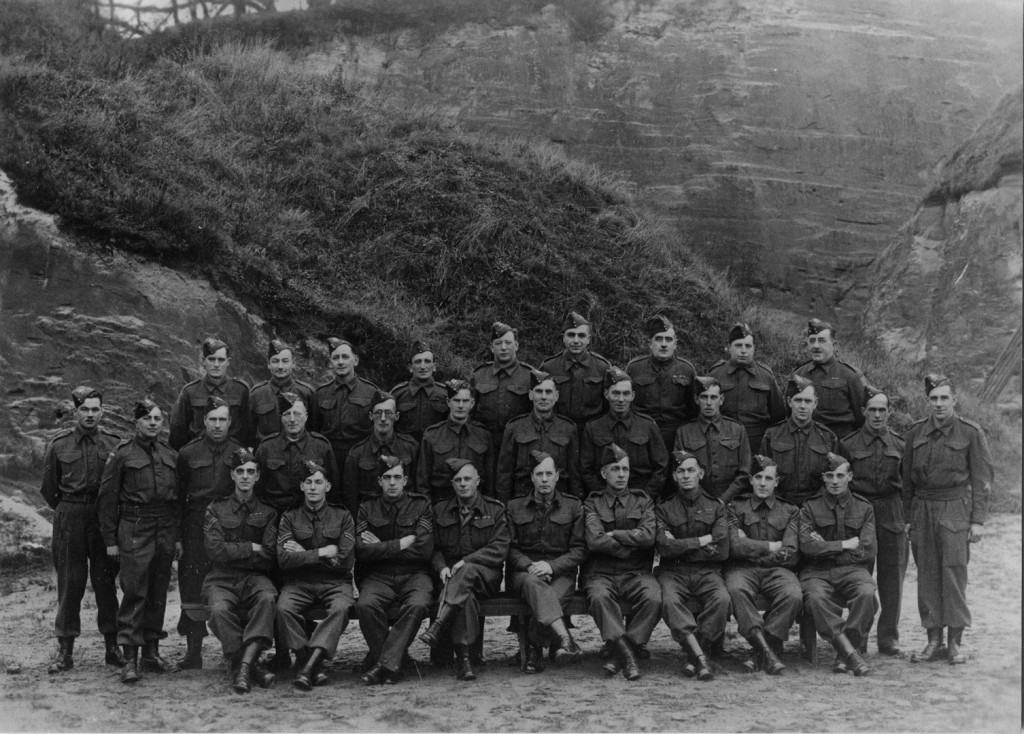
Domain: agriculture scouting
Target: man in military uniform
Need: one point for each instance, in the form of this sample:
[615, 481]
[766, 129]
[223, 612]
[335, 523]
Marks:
[764, 547]
[456, 437]
[619, 527]
[693, 543]
[578, 373]
[360, 480]
[315, 551]
[282, 457]
[421, 402]
[719, 443]
[240, 534]
[265, 416]
[663, 381]
[394, 546]
[750, 392]
[544, 557]
[947, 476]
[204, 475]
[837, 541]
[471, 539]
[502, 386]
[72, 469]
[189, 409]
[875, 453]
[341, 407]
[839, 386]
[799, 445]
[139, 508]
[637, 434]
[538, 430]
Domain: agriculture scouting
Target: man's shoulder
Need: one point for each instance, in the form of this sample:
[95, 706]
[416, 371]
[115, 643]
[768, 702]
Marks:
[970, 425]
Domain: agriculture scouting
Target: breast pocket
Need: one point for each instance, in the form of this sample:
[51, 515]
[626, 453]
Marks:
[833, 395]
[72, 465]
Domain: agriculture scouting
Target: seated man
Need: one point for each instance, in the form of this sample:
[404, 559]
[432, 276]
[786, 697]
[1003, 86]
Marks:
[693, 541]
[471, 539]
[619, 527]
[544, 558]
[394, 545]
[240, 533]
[837, 540]
[763, 542]
[315, 544]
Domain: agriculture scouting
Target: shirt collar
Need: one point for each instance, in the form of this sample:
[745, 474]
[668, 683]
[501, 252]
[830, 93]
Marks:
[416, 386]
[215, 386]
[794, 428]
[735, 367]
[841, 500]
[349, 383]
[716, 422]
[943, 428]
[582, 359]
[301, 439]
[508, 369]
[770, 502]
[81, 433]
[536, 500]
[237, 504]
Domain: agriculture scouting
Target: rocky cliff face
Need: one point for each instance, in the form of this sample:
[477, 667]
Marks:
[947, 289]
[786, 140]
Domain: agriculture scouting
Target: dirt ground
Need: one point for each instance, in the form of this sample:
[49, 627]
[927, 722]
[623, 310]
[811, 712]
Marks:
[983, 696]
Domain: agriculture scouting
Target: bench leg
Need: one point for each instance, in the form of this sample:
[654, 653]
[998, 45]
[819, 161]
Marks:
[809, 638]
[524, 624]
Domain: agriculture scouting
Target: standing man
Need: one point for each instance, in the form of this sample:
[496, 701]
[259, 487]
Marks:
[663, 381]
[837, 541]
[545, 555]
[204, 475]
[394, 545]
[471, 539]
[693, 542]
[361, 476]
[799, 445]
[188, 411]
[637, 434]
[72, 469]
[619, 527]
[341, 407]
[750, 392]
[456, 437]
[840, 386]
[139, 509]
[875, 453]
[421, 402]
[283, 457]
[315, 544]
[265, 417]
[719, 443]
[947, 476]
[502, 385]
[538, 430]
[240, 534]
[764, 543]
[578, 372]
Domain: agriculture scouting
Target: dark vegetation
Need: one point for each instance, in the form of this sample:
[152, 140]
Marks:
[330, 211]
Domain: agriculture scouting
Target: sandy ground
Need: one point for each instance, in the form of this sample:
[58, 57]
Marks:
[984, 695]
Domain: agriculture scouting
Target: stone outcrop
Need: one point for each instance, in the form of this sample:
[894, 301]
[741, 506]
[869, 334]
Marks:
[787, 140]
[946, 292]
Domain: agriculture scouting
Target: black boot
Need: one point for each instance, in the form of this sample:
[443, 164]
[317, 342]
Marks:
[434, 633]
[613, 661]
[956, 657]
[463, 664]
[113, 655]
[630, 667]
[567, 647]
[130, 671]
[850, 656]
[193, 659]
[64, 660]
[243, 676]
[698, 658]
[307, 677]
[534, 660]
[934, 650]
[771, 662]
[153, 662]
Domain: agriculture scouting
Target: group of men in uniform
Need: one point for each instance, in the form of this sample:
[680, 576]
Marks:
[754, 499]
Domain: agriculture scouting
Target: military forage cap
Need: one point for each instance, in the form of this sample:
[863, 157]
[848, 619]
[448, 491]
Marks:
[419, 347]
[681, 455]
[310, 467]
[453, 386]
[739, 330]
[816, 326]
[242, 455]
[82, 393]
[538, 376]
[656, 325]
[538, 457]
[212, 344]
[386, 463]
[212, 403]
[287, 400]
[574, 320]
[144, 407]
[335, 342]
[707, 382]
[615, 375]
[457, 465]
[612, 454]
[797, 384]
[380, 396]
[871, 391]
[499, 329]
[835, 461]
[277, 346]
[760, 462]
[934, 380]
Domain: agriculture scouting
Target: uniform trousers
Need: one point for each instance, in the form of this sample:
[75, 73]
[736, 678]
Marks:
[146, 544]
[299, 595]
[412, 593]
[192, 568]
[827, 592]
[890, 565]
[685, 588]
[638, 589]
[779, 586]
[940, 531]
[545, 599]
[463, 591]
[242, 605]
[79, 555]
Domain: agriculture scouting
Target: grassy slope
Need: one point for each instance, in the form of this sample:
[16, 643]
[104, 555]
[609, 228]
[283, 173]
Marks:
[328, 213]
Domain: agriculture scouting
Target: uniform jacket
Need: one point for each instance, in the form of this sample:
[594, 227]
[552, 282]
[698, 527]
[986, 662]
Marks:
[763, 521]
[483, 540]
[554, 535]
[204, 471]
[556, 436]
[687, 518]
[390, 521]
[580, 382]
[231, 527]
[840, 390]
[664, 391]
[265, 413]
[139, 473]
[723, 450]
[802, 456]
[73, 463]
[281, 469]
[620, 531]
[443, 441]
[341, 411]
[187, 414]
[750, 393]
[825, 522]
[314, 530]
[639, 437]
[359, 478]
[875, 459]
[502, 393]
[420, 406]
